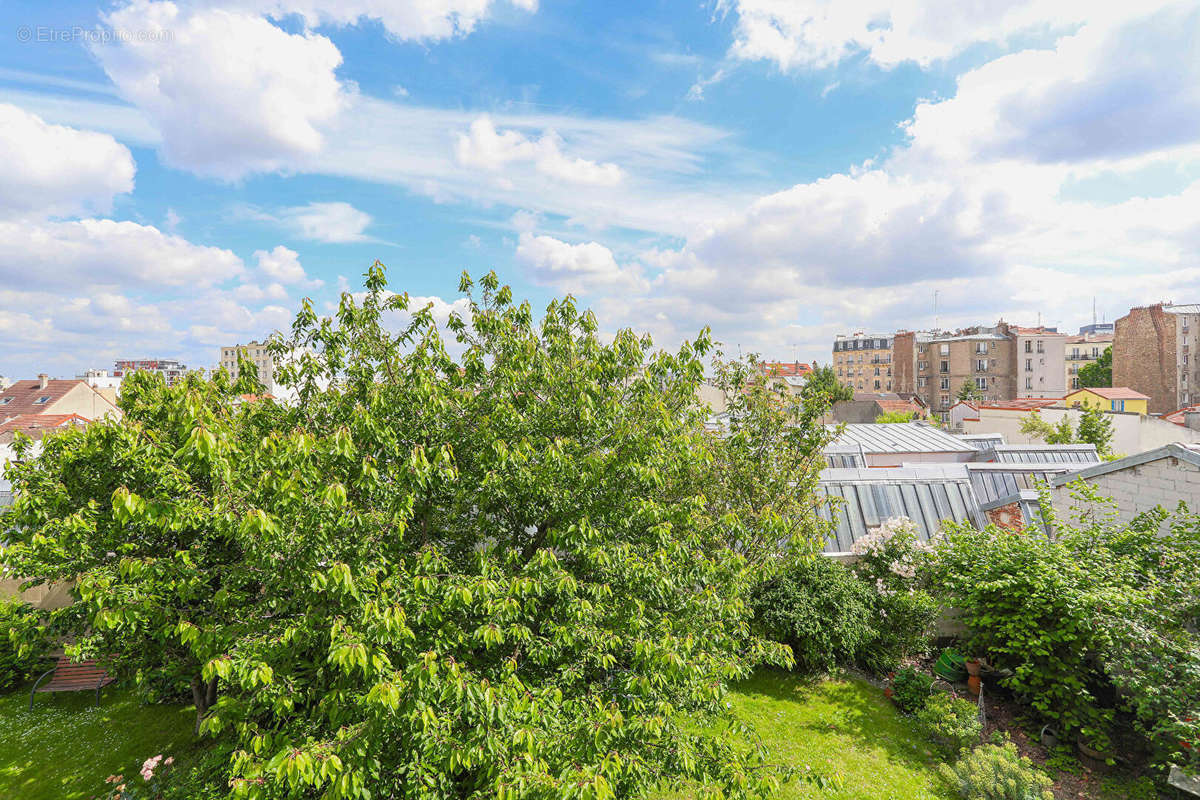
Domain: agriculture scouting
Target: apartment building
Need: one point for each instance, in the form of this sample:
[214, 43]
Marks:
[1084, 349]
[1041, 360]
[169, 368]
[1152, 354]
[935, 366]
[254, 351]
[864, 361]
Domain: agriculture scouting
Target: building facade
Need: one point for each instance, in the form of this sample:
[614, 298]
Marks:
[256, 352]
[1082, 350]
[169, 368]
[864, 361]
[1152, 354]
[1041, 362]
[935, 366]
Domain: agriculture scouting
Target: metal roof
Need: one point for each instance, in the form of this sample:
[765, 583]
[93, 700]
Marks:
[982, 441]
[1186, 452]
[1041, 454]
[994, 483]
[898, 437]
[926, 494]
[1185, 308]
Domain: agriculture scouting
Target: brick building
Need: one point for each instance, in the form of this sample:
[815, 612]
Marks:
[1152, 353]
[864, 361]
[935, 366]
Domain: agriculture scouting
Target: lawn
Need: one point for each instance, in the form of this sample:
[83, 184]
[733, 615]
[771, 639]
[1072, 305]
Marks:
[844, 727]
[65, 748]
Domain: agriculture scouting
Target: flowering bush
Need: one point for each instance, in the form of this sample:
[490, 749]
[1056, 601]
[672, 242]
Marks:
[890, 559]
[952, 722]
[997, 772]
[152, 771]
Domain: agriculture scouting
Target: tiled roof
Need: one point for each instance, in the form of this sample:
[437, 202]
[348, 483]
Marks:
[1021, 404]
[36, 425]
[22, 396]
[783, 369]
[1178, 416]
[1112, 392]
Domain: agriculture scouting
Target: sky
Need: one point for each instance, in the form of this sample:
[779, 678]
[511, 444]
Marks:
[175, 177]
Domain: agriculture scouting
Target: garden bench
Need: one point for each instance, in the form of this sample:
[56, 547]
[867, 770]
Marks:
[72, 677]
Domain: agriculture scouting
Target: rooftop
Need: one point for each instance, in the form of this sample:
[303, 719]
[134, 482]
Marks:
[23, 396]
[1111, 392]
[902, 437]
[1183, 308]
[1187, 452]
[35, 426]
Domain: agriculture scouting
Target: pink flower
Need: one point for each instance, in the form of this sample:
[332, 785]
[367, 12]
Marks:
[170, 760]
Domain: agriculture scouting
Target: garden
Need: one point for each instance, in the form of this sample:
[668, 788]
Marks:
[500, 556]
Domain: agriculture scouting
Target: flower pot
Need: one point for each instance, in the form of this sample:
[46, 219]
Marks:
[1095, 760]
[973, 666]
[973, 683]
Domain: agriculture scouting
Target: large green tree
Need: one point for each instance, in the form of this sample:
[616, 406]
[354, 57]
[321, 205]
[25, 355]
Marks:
[1099, 372]
[823, 385]
[496, 574]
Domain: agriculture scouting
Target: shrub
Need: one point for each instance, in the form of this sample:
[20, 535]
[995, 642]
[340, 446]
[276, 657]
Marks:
[951, 722]
[19, 660]
[820, 609]
[910, 689]
[889, 559]
[997, 772]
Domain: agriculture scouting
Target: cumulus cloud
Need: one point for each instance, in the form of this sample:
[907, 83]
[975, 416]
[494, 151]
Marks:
[230, 93]
[53, 170]
[485, 147]
[335, 222]
[283, 265]
[578, 268]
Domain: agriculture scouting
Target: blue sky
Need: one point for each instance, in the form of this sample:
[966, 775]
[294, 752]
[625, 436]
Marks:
[174, 177]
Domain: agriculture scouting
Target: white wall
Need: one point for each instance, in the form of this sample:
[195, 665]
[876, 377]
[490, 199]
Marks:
[1132, 433]
[1048, 374]
[1163, 482]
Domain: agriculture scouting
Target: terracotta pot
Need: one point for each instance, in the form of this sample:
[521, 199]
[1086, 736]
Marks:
[973, 683]
[973, 666]
[1093, 759]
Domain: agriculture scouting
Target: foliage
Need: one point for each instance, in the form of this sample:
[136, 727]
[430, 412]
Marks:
[969, 392]
[492, 575]
[1098, 372]
[1095, 428]
[895, 416]
[153, 773]
[822, 385]
[997, 772]
[23, 641]
[952, 722]
[1034, 426]
[762, 472]
[821, 610]
[910, 689]
[889, 559]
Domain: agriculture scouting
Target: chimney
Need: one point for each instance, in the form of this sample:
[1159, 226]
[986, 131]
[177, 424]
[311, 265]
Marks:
[43, 379]
[1191, 419]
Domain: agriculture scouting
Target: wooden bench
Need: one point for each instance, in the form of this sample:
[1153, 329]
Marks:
[69, 676]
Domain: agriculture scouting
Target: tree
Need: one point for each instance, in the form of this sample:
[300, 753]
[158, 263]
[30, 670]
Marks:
[894, 416]
[1099, 372]
[1033, 425]
[493, 575]
[823, 382]
[1095, 428]
[969, 392]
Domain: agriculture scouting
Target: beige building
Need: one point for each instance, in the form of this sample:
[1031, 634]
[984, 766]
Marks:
[864, 361]
[256, 352]
[935, 367]
[1041, 359]
[1082, 350]
[57, 397]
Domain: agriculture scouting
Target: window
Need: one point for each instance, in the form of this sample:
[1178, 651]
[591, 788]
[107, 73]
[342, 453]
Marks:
[877, 385]
[944, 367]
[1028, 346]
[877, 374]
[945, 400]
[981, 365]
[981, 383]
[921, 348]
[5, 401]
[1041, 348]
[1074, 383]
[1029, 365]
[981, 347]
[1029, 383]
[944, 349]
[945, 383]
[921, 381]
[1074, 352]
[1118, 405]
[922, 365]
[41, 401]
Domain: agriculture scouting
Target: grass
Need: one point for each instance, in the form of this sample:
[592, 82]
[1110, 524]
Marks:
[845, 728]
[65, 747]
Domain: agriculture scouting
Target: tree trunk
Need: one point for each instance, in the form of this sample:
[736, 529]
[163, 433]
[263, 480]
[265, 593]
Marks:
[205, 697]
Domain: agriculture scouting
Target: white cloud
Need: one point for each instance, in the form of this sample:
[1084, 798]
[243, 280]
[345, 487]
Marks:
[335, 222]
[107, 252]
[820, 33]
[403, 19]
[283, 265]
[487, 148]
[230, 93]
[578, 268]
[51, 170]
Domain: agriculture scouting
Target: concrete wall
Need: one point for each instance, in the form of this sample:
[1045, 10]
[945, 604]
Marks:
[1164, 482]
[1132, 433]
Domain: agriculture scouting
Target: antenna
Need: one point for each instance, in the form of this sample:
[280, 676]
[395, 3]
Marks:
[1093, 309]
[935, 309]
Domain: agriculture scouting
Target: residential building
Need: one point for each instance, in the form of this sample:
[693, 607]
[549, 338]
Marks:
[256, 352]
[864, 361]
[1152, 354]
[1097, 329]
[985, 357]
[1132, 432]
[170, 369]
[1107, 398]
[46, 396]
[1041, 362]
[1082, 350]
